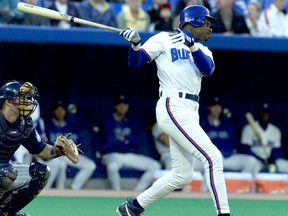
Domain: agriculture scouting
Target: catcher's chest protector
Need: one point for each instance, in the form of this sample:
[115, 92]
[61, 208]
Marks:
[12, 136]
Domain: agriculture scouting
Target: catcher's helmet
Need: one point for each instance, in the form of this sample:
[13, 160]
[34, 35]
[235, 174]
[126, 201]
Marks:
[195, 15]
[22, 93]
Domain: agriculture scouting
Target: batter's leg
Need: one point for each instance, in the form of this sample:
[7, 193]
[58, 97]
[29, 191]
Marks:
[183, 127]
[180, 175]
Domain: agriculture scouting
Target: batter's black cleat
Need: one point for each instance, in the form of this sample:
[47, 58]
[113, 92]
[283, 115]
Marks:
[128, 209]
[21, 214]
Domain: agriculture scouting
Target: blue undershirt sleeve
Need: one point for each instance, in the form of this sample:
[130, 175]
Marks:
[203, 62]
[136, 59]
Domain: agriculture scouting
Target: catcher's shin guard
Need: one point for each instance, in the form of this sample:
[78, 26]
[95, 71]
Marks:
[19, 196]
[8, 174]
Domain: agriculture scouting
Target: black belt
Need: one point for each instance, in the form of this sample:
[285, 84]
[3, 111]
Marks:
[187, 96]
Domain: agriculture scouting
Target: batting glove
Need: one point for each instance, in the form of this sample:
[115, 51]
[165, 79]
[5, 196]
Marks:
[189, 40]
[131, 35]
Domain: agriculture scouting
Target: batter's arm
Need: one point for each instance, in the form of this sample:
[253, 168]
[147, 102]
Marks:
[204, 63]
[136, 59]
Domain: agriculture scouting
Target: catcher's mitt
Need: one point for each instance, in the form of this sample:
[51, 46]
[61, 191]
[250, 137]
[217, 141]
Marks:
[65, 146]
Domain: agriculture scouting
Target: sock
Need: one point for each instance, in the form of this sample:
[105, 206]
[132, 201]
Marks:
[226, 214]
[136, 203]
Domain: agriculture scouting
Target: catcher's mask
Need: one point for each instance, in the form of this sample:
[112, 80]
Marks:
[23, 95]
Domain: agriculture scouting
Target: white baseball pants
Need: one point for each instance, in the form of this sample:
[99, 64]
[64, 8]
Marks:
[179, 119]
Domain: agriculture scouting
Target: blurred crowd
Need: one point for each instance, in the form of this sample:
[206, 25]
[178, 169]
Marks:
[266, 18]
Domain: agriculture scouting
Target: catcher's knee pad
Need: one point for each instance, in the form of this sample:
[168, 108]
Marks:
[20, 196]
[8, 174]
[39, 171]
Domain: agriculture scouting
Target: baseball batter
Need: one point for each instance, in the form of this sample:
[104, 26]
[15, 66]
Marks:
[182, 61]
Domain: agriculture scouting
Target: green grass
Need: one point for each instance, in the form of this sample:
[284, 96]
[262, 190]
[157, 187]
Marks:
[99, 206]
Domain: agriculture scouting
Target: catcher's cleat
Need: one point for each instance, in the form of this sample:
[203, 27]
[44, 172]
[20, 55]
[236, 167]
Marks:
[128, 209]
[21, 214]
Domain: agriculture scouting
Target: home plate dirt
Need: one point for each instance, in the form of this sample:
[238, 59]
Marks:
[127, 193]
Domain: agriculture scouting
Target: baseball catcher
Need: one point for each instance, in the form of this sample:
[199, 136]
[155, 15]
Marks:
[18, 102]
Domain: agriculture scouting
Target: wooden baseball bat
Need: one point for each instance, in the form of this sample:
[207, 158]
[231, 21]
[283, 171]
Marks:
[250, 119]
[45, 12]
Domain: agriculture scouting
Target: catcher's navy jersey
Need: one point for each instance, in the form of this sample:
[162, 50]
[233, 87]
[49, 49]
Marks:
[12, 135]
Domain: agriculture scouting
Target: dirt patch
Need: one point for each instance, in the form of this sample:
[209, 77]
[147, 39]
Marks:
[126, 193]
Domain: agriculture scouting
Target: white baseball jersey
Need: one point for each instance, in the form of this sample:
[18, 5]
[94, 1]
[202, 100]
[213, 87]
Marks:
[173, 74]
[271, 139]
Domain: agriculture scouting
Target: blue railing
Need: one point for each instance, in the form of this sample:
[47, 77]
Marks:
[31, 34]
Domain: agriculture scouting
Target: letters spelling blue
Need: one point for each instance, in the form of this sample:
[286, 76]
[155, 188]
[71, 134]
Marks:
[179, 54]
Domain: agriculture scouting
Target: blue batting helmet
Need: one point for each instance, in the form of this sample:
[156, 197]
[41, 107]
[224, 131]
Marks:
[195, 15]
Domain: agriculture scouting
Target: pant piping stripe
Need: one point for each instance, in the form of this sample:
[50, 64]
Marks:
[199, 149]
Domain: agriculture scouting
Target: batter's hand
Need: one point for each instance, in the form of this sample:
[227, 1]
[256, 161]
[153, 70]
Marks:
[182, 37]
[189, 40]
[131, 35]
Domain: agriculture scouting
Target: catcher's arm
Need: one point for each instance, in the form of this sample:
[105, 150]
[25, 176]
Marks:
[63, 146]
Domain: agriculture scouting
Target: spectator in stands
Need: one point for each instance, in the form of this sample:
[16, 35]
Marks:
[161, 141]
[256, 28]
[265, 144]
[165, 21]
[59, 126]
[222, 134]
[9, 13]
[132, 15]
[275, 18]
[185, 3]
[98, 11]
[229, 21]
[123, 136]
[153, 10]
[65, 7]
[181, 4]
[30, 19]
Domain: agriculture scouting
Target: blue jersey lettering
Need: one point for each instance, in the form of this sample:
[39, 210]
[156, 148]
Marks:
[174, 54]
[179, 53]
